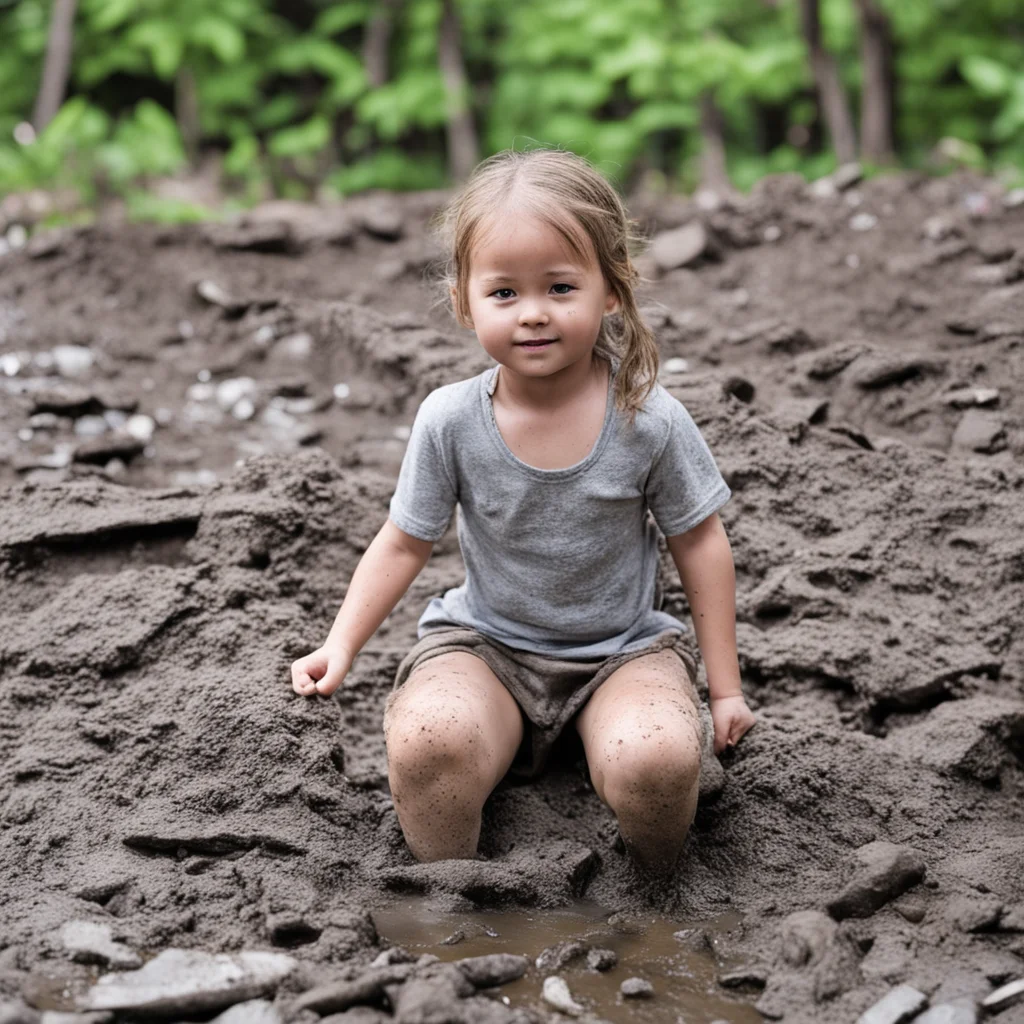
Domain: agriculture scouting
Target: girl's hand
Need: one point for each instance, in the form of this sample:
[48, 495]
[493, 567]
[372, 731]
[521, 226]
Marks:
[732, 719]
[321, 672]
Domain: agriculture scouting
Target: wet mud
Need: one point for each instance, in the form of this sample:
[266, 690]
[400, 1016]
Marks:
[200, 430]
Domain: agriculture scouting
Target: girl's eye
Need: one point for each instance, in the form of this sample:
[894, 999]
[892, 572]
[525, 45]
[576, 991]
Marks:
[498, 293]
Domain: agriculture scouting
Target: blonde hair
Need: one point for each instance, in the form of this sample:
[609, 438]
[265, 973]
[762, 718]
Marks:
[569, 194]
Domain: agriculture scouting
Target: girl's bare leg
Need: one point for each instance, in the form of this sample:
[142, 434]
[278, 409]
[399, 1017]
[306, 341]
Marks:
[452, 731]
[641, 732]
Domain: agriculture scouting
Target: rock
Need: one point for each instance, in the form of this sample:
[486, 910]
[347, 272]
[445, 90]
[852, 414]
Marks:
[964, 398]
[680, 246]
[898, 1005]
[90, 943]
[1012, 919]
[636, 988]
[879, 872]
[382, 221]
[881, 371]
[180, 981]
[394, 955]
[58, 1017]
[748, 978]
[959, 1012]
[493, 969]
[974, 737]
[863, 221]
[368, 987]
[262, 236]
[980, 432]
[140, 427]
[429, 998]
[229, 392]
[556, 993]
[65, 400]
[911, 910]
[1012, 992]
[974, 914]
[101, 450]
[215, 295]
[806, 935]
[696, 940]
[624, 923]
[675, 365]
[256, 1011]
[738, 387]
[602, 959]
[554, 958]
[72, 360]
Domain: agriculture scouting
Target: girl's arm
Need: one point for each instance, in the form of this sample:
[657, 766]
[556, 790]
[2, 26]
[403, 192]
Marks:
[704, 560]
[384, 573]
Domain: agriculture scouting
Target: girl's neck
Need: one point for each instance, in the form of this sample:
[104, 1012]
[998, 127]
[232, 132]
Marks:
[555, 391]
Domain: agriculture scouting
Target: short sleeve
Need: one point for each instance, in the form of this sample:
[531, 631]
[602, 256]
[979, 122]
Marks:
[424, 497]
[684, 486]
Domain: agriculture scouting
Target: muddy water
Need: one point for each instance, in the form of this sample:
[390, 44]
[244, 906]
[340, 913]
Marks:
[684, 981]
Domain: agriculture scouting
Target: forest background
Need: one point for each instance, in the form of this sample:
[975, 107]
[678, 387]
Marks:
[309, 99]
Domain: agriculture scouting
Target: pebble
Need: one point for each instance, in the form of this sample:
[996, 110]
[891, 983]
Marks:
[602, 959]
[980, 431]
[10, 364]
[44, 421]
[493, 969]
[556, 993]
[264, 336]
[963, 1011]
[295, 346]
[636, 988]
[140, 426]
[863, 221]
[554, 958]
[1014, 198]
[806, 935]
[25, 434]
[745, 978]
[115, 468]
[72, 360]
[676, 365]
[679, 247]
[243, 409]
[772, 233]
[964, 398]
[230, 392]
[341, 392]
[115, 418]
[880, 872]
[898, 1005]
[255, 1011]
[189, 981]
[203, 376]
[1003, 997]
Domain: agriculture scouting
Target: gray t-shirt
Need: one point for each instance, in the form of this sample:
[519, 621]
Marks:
[558, 561]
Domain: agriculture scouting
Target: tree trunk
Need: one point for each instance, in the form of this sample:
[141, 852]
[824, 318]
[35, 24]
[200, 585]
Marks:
[462, 143]
[56, 65]
[877, 98]
[377, 42]
[714, 174]
[831, 94]
[186, 112]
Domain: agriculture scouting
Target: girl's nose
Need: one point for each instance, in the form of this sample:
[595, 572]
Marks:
[532, 314]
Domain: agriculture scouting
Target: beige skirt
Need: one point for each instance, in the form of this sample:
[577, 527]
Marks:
[550, 691]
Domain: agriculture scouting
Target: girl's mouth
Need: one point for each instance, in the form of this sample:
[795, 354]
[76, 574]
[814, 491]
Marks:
[540, 343]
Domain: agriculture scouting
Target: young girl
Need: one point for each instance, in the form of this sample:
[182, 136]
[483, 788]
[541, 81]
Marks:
[554, 457]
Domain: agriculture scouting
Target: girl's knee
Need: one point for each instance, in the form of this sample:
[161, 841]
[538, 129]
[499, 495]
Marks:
[636, 769]
[425, 740]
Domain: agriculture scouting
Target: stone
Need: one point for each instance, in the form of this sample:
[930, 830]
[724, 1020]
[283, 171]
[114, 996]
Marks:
[394, 955]
[88, 942]
[368, 987]
[493, 969]
[882, 371]
[188, 981]
[141, 427]
[215, 295]
[602, 959]
[72, 360]
[974, 914]
[898, 1005]
[256, 1011]
[696, 940]
[964, 398]
[556, 993]
[554, 958]
[382, 222]
[636, 988]
[428, 998]
[879, 872]
[229, 392]
[806, 935]
[980, 431]
[680, 246]
[1010, 993]
[959, 1012]
[101, 450]
[65, 400]
[748, 978]
[264, 236]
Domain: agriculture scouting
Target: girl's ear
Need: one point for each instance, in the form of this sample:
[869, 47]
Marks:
[461, 316]
[611, 303]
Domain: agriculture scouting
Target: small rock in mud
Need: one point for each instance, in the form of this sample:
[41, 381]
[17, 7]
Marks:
[90, 943]
[636, 988]
[602, 959]
[974, 914]
[898, 1005]
[805, 937]
[880, 872]
[368, 987]
[1008, 995]
[556, 993]
[680, 246]
[696, 940]
[493, 969]
[394, 955]
[751, 979]
[554, 958]
[100, 450]
[980, 431]
[627, 924]
[957, 1012]
[256, 1011]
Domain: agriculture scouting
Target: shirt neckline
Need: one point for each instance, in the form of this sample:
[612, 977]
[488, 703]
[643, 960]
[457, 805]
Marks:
[489, 380]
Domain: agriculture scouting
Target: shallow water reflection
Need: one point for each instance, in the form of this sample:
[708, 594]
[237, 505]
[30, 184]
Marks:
[684, 981]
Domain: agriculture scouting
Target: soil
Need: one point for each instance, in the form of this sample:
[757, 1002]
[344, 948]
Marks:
[855, 362]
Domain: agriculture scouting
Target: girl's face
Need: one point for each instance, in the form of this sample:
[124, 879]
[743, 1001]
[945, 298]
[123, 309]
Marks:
[524, 285]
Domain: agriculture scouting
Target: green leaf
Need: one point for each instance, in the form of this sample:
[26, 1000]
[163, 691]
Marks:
[302, 139]
[341, 17]
[221, 37]
[989, 77]
[242, 157]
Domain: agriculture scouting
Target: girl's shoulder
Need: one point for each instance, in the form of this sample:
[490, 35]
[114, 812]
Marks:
[451, 403]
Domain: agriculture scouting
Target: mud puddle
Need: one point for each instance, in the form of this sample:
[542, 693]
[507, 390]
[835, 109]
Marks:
[677, 957]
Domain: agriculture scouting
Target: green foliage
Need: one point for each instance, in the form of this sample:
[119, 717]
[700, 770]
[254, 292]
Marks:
[282, 93]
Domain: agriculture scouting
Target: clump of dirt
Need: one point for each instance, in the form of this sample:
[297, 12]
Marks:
[199, 436]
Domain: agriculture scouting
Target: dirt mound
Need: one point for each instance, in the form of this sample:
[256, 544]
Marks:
[854, 360]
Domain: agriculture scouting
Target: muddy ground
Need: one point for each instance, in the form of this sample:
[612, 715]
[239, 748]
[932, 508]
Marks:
[200, 430]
